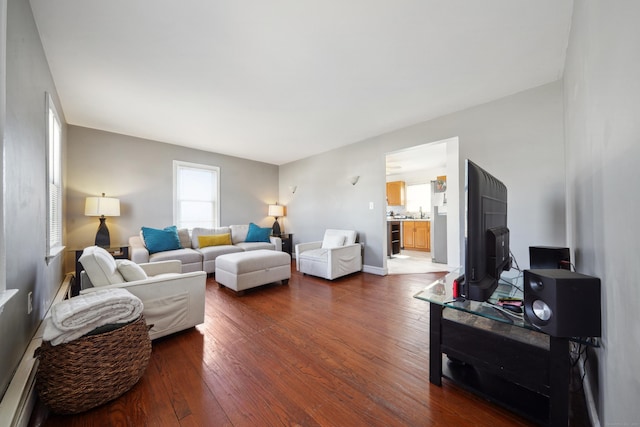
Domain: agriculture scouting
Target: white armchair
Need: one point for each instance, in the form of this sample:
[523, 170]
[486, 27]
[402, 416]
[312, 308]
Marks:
[172, 300]
[336, 255]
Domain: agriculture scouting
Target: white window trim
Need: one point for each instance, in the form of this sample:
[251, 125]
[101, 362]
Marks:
[177, 164]
[5, 296]
[56, 248]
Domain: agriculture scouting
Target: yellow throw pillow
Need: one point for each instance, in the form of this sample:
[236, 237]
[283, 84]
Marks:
[214, 240]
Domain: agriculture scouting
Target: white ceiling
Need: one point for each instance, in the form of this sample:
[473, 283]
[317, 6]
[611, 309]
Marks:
[418, 158]
[280, 80]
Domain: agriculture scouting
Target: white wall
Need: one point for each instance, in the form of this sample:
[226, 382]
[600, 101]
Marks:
[518, 138]
[602, 106]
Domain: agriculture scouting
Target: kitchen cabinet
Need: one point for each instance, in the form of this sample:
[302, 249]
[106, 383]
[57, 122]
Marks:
[416, 235]
[396, 193]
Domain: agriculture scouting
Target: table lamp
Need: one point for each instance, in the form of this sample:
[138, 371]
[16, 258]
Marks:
[276, 211]
[102, 207]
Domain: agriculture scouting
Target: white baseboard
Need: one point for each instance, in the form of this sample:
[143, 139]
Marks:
[19, 400]
[375, 270]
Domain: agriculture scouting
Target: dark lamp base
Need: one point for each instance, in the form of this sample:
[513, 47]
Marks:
[275, 230]
[102, 236]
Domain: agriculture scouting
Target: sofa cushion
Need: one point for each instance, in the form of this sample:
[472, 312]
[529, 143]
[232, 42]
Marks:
[319, 254]
[130, 270]
[257, 234]
[185, 239]
[239, 233]
[186, 256]
[161, 240]
[212, 252]
[252, 246]
[332, 241]
[349, 235]
[214, 240]
[201, 231]
[100, 266]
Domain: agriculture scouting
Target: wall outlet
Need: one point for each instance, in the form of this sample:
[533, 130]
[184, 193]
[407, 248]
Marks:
[29, 302]
[370, 205]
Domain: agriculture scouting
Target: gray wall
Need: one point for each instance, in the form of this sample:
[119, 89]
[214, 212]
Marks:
[603, 149]
[517, 138]
[140, 173]
[25, 190]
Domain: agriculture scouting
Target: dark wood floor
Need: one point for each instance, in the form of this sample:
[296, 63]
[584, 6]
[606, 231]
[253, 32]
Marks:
[352, 352]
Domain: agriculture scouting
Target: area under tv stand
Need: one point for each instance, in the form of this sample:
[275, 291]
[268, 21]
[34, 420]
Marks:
[479, 349]
[531, 379]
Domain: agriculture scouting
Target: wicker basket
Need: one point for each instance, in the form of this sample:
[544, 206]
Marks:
[94, 369]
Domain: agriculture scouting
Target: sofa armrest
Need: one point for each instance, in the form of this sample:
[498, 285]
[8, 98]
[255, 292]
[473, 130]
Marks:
[138, 286]
[301, 247]
[277, 241]
[344, 260]
[346, 250]
[162, 267]
[139, 253]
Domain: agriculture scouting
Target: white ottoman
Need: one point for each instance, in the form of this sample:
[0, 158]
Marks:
[245, 270]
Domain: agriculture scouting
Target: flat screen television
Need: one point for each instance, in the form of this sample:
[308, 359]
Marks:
[486, 234]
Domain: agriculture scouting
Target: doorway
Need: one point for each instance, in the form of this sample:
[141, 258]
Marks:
[428, 177]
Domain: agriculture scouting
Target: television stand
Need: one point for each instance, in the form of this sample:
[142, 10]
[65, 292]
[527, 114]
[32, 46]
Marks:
[503, 359]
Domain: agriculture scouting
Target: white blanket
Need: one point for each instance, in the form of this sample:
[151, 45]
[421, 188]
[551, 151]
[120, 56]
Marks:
[70, 319]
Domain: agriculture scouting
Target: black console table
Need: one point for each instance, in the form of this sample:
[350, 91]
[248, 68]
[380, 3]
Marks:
[498, 356]
[287, 243]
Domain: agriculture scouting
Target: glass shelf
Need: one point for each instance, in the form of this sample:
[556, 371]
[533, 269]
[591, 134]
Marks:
[441, 292]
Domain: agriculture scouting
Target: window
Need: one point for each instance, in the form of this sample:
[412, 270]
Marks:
[419, 197]
[196, 190]
[54, 180]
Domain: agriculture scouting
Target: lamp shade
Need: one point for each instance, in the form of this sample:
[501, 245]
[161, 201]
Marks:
[102, 206]
[276, 210]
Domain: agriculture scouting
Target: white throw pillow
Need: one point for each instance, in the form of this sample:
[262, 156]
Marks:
[130, 270]
[332, 241]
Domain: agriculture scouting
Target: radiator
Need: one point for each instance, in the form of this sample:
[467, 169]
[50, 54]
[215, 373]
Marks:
[20, 398]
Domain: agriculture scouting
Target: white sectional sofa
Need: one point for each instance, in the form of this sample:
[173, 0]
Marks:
[197, 258]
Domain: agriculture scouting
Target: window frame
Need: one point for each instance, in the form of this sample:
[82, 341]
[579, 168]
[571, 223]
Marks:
[215, 170]
[53, 142]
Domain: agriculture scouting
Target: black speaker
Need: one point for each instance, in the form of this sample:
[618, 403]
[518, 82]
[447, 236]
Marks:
[562, 303]
[549, 257]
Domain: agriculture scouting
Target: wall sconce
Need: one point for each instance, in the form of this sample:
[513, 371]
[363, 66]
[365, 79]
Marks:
[293, 189]
[354, 179]
[102, 207]
[276, 211]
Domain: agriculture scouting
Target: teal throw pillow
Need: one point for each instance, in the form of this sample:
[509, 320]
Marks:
[257, 234]
[161, 240]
